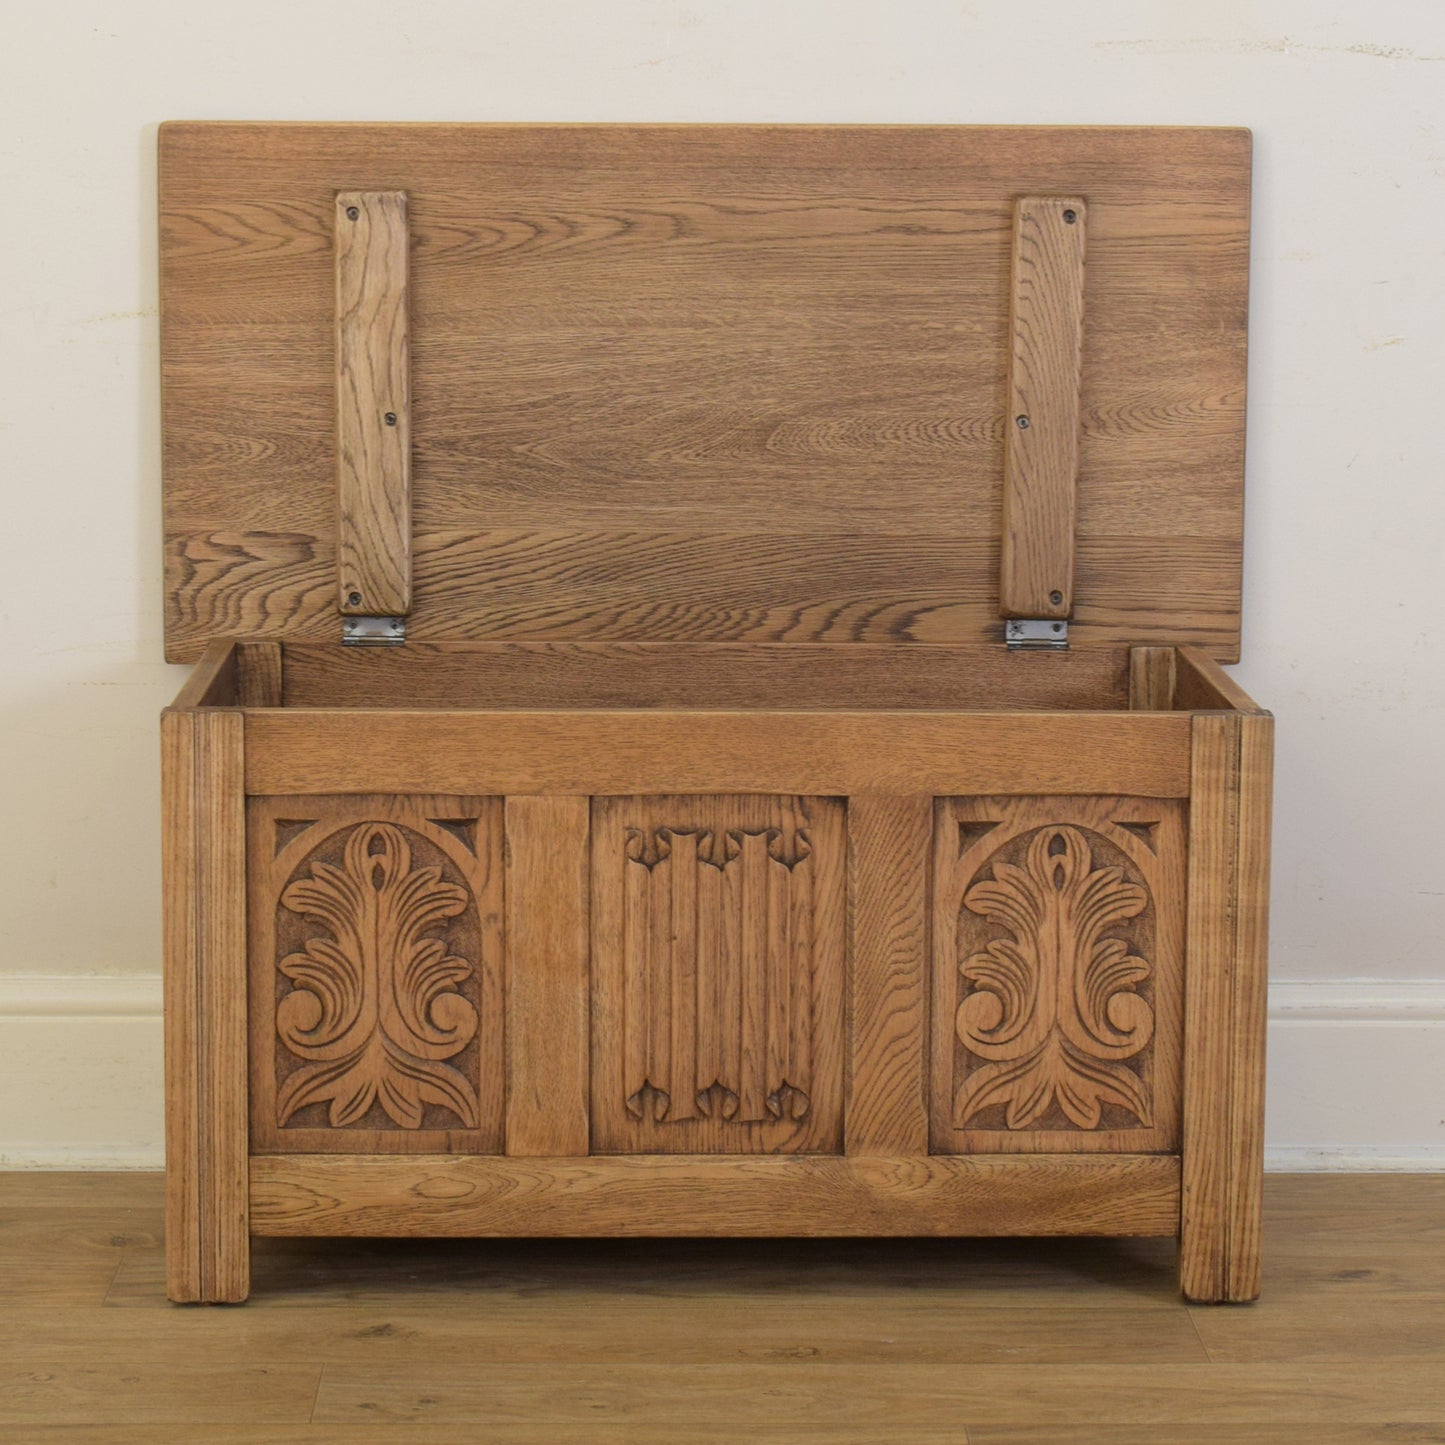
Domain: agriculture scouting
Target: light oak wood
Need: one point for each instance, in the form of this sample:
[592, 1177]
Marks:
[737, 1323]
[719, 958]
[827, 1401]
[1225, 1007]
[376, 974]
[1275, 1431]
[752, 1195]
[889, 842]
[704, 675]
[214, 681]
[1058, 975]
[196, 1398]
[818, 754]
[259, 674]
[204, 878]
[1340, 1243]
[548, 966]
[373, 404]
[784, 422]
[1151, 678]
[595, 1432]
[1249, 1008]
[685, 884]
[1203, 685]
[63, 1237]
[1213, 835]
[1041, 450]
[1078, 1339]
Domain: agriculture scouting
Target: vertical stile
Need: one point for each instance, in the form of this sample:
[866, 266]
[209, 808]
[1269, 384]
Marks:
[548, 975]
[1041, 448]
[890, 843]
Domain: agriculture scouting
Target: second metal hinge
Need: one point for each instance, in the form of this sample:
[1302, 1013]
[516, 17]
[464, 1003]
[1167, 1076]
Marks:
[1022, 633]
[373, 631]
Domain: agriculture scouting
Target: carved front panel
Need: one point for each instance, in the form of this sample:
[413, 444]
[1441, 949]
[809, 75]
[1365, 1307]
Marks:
[1057, 992]
[718, 974]
[376, 974]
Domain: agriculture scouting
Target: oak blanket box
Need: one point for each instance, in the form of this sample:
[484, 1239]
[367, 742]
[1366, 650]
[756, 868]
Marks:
[707, 716]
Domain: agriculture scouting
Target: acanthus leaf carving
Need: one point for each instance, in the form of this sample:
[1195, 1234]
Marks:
[376, 1008]
[1054, 1012]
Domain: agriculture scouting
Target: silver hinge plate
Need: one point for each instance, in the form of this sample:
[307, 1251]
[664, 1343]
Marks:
[373, 631]
[1041, 632]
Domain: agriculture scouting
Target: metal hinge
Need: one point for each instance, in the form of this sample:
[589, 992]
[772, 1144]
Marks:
[373, 631]
[1036, 632]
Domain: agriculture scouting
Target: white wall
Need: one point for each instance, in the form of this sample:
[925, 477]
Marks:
[1347, 451]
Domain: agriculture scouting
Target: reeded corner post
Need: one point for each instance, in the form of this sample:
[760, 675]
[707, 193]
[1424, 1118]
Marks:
[204, 875]
[1223, 1166]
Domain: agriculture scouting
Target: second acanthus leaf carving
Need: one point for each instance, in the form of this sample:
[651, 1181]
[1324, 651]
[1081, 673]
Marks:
[376, 1008]
[1052, 1011]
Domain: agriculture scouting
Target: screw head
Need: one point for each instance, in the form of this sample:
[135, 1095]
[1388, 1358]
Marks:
[353, 213]
[1055, 598]
[1070, 217]
[1022, 422]
[390, 418]
[353, 599]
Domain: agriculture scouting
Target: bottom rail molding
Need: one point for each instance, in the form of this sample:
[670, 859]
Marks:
[691, 1195]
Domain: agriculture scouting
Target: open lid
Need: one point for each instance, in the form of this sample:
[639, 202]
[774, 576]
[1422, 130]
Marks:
[704, 383]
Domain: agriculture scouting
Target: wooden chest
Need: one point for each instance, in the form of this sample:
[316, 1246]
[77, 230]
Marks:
[708, 717]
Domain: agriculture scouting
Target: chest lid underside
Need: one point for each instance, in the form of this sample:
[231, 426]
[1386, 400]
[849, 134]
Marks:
[703, 383]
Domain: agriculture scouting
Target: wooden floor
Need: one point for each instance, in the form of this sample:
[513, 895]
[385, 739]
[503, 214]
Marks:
[554, 1343]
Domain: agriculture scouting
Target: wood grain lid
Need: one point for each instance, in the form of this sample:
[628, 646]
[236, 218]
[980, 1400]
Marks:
[707, 383]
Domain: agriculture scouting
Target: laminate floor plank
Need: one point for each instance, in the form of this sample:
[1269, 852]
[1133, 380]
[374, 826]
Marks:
[1369, 1315]
[993, 1274]
[1254, 1433]
[636, 1342]
[592, 1433]
[55, 1256]
[147, 1388]
[559, 1329]
[786, 1396]
[111, 1190]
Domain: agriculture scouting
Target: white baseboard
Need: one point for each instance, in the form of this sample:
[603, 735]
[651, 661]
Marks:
[1356, 1074]
[80, 1073]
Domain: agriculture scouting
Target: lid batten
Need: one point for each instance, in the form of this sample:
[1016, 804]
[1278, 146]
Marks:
[1041, 450]
[373, 462]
